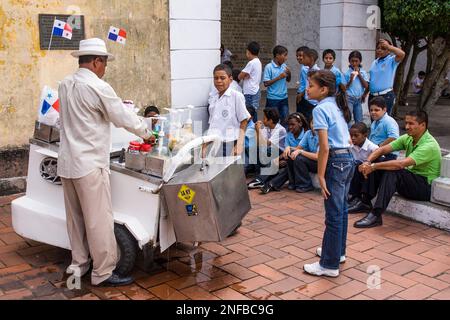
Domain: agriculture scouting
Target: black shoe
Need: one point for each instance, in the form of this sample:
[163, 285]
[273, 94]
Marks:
[117, 280]
[304, 190]
[351, 202]
[266, 188]
[291, 187]
[255, 184]
[359, 207]
[369, 221]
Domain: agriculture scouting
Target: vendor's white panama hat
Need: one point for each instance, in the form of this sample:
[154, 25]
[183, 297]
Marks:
[93, 46]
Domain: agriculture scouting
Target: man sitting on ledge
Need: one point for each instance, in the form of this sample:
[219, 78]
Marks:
[412, 176]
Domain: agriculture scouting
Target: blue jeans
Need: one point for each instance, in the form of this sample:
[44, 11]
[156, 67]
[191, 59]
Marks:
[355, 105]
[389, 98]
[338, 177]
[253, 100]
[282, 106]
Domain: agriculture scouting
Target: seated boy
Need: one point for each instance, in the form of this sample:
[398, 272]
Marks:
[384, 128]
[270, 137]
[228, 115]
[410, 177]
[362, 148]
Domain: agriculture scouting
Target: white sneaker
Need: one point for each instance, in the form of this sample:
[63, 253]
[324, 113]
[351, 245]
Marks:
[317, 270]
[319, 254]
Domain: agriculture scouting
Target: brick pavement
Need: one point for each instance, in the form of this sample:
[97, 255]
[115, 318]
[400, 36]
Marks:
[263, 261]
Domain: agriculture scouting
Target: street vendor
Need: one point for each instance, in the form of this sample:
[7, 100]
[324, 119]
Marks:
[88, 105]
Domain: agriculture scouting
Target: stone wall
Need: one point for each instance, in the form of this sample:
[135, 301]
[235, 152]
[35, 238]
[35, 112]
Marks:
[141, 71]
[298, 24]
[244, 21]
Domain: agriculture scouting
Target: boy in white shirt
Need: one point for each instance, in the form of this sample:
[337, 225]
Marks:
[360, 187]
[251, 76]
[228, 115]
[418, 82]
[270, 138]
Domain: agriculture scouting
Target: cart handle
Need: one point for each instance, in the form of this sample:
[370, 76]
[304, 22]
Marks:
[179, 159]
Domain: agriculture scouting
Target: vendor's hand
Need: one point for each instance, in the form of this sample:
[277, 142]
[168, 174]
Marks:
[323, 186]
[150, 140]
[294, 154]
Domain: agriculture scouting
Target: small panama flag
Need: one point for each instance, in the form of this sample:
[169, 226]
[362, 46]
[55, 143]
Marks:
[49, 107]
[62, 29]
[117, 35]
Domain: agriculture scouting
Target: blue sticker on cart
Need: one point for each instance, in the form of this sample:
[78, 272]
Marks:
[191, 210]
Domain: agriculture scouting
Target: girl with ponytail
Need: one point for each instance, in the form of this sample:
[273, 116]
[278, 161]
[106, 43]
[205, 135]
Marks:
[335, 169]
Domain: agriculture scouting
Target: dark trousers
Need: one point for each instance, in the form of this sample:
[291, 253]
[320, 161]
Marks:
[282, 106]
[406, 183]
[305, 108]
[389, 98]
[296, 172]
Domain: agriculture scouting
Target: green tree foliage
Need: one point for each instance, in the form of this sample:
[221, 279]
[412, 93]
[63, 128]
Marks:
[418, 25]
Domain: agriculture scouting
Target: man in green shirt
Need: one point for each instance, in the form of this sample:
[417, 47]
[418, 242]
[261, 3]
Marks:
[410, 177]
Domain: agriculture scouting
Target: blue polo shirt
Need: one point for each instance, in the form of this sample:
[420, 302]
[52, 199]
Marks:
[278, 90]
[328, 116]
[250, 135]
[310, 142]
[339, 76]
[304, 83]
[292, 141]
[356, 89]
[384, 128]
[382, 73]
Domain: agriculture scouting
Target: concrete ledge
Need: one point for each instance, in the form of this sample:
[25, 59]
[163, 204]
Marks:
[421, 211]
[9, 186]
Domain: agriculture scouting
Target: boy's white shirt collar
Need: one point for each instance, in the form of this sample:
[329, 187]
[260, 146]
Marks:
[364, 147]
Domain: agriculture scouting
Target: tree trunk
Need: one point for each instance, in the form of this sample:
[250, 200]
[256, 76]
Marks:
[434, 81]
[404, 95]
[399, 76]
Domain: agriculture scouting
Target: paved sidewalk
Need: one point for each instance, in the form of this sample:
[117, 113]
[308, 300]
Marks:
[262, 261]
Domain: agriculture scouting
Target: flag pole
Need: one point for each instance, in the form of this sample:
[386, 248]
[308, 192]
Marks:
[51, 36]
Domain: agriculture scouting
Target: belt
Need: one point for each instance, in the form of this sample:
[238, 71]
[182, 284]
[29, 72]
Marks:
[381, 93]
[334, 152]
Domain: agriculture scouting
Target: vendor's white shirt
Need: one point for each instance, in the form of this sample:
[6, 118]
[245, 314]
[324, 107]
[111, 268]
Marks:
[254, 69]
[88, 106]
[276, 136]
[226, 114]
[362, 153]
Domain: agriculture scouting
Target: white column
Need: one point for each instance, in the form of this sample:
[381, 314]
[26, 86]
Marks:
[194, 51]
[343, 28]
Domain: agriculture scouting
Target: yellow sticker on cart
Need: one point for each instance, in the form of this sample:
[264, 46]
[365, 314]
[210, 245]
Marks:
[186, 194]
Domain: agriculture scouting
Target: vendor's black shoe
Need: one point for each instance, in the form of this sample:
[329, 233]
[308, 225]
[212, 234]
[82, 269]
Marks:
[267, 188]
[117, 280]
[351, 202]
[369, 221]
[359, 207]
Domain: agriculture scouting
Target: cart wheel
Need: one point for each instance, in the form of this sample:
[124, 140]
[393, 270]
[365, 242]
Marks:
[127, 249]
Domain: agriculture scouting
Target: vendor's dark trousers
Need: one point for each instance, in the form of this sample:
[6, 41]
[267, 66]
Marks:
[305, 108]
[406, 183]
